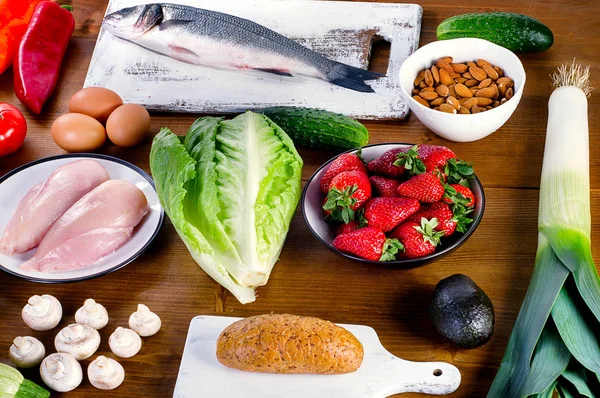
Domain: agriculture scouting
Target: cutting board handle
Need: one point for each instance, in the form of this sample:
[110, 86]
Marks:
[434, 378]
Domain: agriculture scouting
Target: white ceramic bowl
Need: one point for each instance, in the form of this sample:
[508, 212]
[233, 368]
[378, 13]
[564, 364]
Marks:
[459, 127]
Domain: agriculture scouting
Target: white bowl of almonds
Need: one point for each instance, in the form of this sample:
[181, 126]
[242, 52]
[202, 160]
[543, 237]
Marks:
[463, 89]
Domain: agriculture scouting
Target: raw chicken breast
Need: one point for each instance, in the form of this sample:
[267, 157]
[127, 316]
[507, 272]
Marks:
[47, 201]
[97, 225]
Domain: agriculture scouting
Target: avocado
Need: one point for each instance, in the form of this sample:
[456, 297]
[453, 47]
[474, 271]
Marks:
[461, 312]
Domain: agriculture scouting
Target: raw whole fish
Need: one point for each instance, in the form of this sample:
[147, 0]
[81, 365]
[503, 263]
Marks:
[97, 225]
[211, 38]
[47, 201]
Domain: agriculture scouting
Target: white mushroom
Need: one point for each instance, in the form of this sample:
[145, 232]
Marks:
[105, 373]
[26, 352]
[124, 343]
[92, 314]
[42, 312]
[144, 322]
[61, 372]
[81, 341]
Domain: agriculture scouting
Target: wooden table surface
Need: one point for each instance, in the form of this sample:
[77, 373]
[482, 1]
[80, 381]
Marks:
[309, 279]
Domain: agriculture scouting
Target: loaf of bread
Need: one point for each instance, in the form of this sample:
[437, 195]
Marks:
[289, 344]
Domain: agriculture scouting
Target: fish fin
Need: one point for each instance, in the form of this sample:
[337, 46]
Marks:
[182, 54]
[278, 72]
[353, 78]
[172, 23]
[150, 17]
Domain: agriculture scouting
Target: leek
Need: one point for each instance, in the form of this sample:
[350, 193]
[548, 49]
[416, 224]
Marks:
[553, 346]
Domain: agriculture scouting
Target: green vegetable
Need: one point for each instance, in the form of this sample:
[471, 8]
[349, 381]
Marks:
[13, 384]
[554, 343]
[230, 189]
[518, 33]
[315, 128]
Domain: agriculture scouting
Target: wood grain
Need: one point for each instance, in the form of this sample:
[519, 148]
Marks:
[310, 280]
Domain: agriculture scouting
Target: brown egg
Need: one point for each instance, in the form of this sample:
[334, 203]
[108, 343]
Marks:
[97, 102]
[75, 132]
[128, 125]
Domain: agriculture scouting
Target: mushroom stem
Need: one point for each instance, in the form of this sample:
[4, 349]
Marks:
[55, 367]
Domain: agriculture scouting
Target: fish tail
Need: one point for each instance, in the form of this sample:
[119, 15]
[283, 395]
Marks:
[353, 78]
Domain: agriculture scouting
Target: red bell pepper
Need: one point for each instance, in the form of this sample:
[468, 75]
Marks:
[13, 129]
[14, 17]
[37, 63]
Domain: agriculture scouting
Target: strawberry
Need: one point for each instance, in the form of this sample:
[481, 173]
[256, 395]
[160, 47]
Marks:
[347, 228]
[426, 188]
[396, 162]
[448, 220]
[385, 187]
[437, 159]
[387, 213]
[348, 192]
[457, 194]
[418, 239]
[368, 243]
[344, 162]
[426, 150]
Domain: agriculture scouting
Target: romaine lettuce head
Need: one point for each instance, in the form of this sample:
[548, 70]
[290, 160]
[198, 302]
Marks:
[230, 189]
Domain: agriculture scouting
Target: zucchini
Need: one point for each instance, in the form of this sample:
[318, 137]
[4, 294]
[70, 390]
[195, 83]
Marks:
[315, 128]
[518, 33]
[14, 385]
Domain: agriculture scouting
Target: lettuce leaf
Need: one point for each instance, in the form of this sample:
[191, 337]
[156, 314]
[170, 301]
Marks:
[230, 189]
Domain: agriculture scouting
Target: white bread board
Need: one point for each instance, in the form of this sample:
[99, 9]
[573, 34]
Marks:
[380, 375]
[340, 30]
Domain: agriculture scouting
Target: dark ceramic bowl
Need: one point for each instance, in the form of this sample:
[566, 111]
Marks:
[312, 202]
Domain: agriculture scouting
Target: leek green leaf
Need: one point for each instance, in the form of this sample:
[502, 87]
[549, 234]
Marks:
[549, 275]
[575, 330]
[548, 392]
[577, 376]
[550, 359]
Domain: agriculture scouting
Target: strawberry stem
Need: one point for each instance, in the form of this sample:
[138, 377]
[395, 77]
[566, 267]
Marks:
[391, 247]
[339, 204]
[459, 172]
[427, 229]
[410, 161]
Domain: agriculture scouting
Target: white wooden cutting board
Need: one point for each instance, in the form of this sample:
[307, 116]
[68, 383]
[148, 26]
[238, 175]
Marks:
[380, 375]
[340, 30]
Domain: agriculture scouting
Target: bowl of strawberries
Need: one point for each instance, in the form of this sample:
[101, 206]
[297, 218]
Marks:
[403, 204]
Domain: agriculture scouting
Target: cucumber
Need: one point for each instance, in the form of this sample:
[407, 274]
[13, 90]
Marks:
[518, 33]
[315, 128]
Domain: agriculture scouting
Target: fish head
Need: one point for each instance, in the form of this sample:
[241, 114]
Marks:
[132, 22]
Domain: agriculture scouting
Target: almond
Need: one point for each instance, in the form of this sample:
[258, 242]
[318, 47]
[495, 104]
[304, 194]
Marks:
[471, 83]
[470, 102]
[491, 72]
[509, 93]
[415, 91]
[487, 92]
[475, 109]
[467, 75]
[437, 108]
[428, 95]
[444, 65]
[471, 64]
[446, 59]
[435, 73]
[460, 80]
[428, 78]
[482, 62]
[430, 89]
[447, 108]
[484, 83]
[506, 80]
[442, 90]
[422, 84]
[499, 71]
[474, 89]
[453, 101]
[463, 110]
[503, 101]
[445, 78]
[421, 101]
[488, 107]
[438, 101]
[459, 68]
[452, 90]
[463, 91]
[476, 72]
[483, 101]
[496, 91]
[496, 104]
[419, 78]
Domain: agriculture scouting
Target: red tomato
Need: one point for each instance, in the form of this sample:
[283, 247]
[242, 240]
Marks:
[13, 129]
